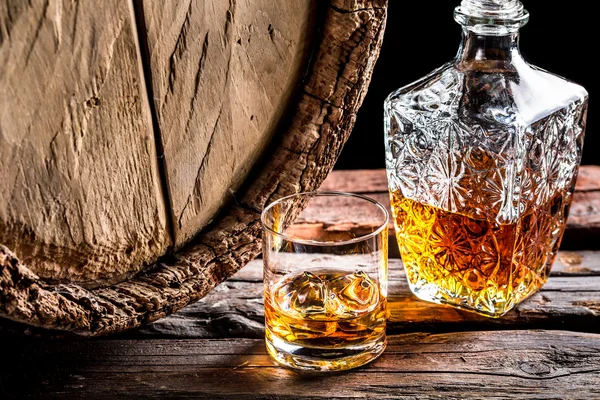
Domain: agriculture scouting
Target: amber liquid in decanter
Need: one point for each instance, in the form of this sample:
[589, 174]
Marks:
[490, 266]
[482, 157]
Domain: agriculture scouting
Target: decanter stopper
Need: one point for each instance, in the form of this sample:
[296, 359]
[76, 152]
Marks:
[507, 15]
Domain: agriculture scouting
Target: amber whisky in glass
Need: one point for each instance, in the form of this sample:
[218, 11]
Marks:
[325, 281]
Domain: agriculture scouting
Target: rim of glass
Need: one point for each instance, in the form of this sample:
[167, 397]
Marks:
[358, 239]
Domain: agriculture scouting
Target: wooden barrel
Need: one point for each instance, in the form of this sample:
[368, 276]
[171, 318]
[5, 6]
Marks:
[139, 141]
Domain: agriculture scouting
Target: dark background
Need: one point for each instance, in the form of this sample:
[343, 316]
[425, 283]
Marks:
[423, 36]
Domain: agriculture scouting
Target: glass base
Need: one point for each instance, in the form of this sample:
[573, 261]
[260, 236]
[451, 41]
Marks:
[433, 294]
[320, 359]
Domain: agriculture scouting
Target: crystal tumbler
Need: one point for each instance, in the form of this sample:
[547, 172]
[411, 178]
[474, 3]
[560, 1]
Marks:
[325, 280]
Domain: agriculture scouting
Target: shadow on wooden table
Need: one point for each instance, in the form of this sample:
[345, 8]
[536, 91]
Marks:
[522, 364]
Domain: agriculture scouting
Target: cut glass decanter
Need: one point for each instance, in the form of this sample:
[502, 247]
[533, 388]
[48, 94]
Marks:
[482, 157]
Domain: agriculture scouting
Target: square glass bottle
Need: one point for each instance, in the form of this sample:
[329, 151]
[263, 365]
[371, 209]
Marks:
[482, 157]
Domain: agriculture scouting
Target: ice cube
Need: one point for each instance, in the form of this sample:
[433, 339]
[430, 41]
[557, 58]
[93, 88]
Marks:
[301, 295]
[352, 295]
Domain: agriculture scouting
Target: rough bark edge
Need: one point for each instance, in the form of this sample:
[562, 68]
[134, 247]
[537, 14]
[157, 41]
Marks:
[333, 90]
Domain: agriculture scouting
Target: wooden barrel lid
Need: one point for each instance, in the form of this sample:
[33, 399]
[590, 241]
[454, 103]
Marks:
[139, 143]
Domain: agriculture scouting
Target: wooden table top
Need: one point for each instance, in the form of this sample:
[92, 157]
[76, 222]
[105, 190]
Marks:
[547, 348]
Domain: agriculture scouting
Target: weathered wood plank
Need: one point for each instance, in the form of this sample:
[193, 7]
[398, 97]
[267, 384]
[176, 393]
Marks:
[515, 364]
[571, 298]
[223, 73]
[583, 225]
[362, 181]
[589, 178]
[80, 196]
[573, 263]
[568, 264]
[375, 180]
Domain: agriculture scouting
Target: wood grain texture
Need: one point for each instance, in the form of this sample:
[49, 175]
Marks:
[570, 299]
[375, 180]
[589, 178]
[490, 365]
[223, 74]
[301, 156]
[80, 197]
[583, 225]
[336, 83]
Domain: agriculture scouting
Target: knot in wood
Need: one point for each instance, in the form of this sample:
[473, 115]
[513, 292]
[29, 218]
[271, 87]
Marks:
[535, 368]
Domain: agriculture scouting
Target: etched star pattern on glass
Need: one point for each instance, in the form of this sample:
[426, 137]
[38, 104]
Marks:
[482, 157]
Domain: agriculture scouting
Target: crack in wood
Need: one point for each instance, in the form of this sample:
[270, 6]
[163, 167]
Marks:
[36, 33]
[179, 49]
[75, 20]
[322, 100]
[230, 19]
[139, 26]
[197, 194]
[197, 80]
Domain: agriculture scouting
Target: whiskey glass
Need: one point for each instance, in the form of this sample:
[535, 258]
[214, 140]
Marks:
[325, 280]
